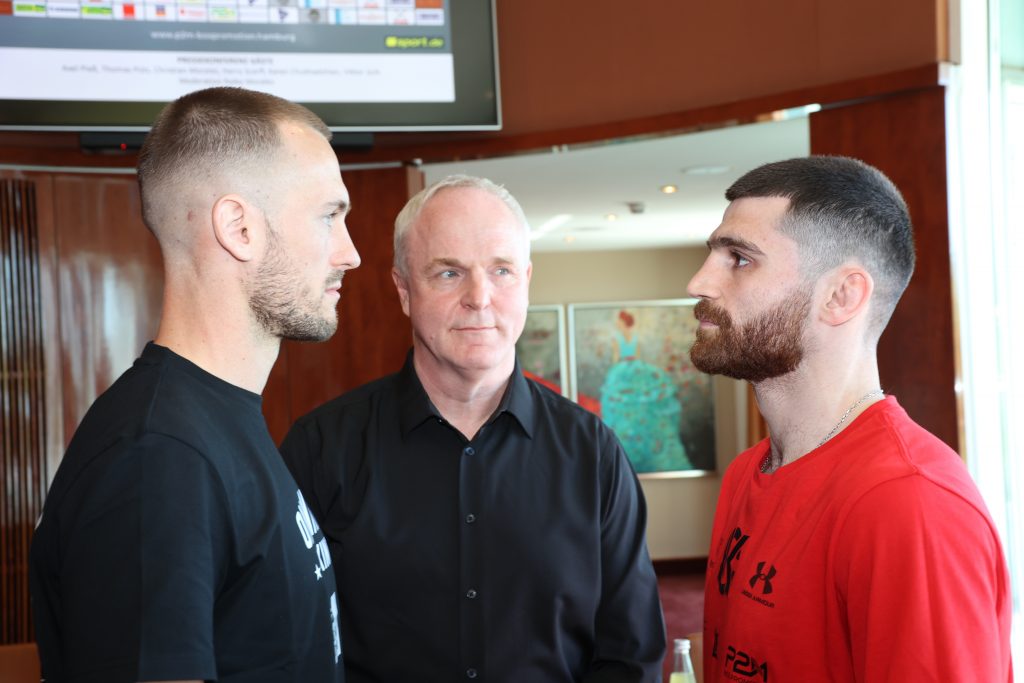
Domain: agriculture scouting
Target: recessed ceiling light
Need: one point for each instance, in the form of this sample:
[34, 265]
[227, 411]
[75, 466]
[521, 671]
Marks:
[705, 170]
[611, 217]
[569, 239]
[669, 189]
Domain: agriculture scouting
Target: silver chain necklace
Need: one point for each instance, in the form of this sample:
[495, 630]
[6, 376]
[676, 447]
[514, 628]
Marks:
[766, 464]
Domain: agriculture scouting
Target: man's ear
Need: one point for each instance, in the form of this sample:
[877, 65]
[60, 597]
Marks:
[403, 289]
[848, 292]
[237, 226]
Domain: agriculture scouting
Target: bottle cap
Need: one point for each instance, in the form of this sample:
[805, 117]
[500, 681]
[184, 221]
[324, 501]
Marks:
[682, 644]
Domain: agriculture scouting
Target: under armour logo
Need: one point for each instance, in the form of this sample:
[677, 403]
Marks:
[761, 576]
[732, 552]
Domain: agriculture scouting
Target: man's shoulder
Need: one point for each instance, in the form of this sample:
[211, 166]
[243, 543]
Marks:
[924, 455]
[890, 461]
[122, 436]
[123, 412]
[549, 400]
[894, 446]
[159, 406]
[358, 402]
[556, 409]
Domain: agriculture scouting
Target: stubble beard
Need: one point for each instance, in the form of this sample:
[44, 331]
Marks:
[768, 346]
[282, 306]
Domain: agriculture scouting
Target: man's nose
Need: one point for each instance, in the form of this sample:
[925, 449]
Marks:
[477, 291]
[344, 254]
[702, 284]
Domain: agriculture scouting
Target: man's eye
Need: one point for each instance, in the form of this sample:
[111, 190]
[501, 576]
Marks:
[448, 274]
[503, 271]
[739, 260]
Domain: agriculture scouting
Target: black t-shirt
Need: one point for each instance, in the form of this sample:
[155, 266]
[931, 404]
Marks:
[517, 556]
[174, 544]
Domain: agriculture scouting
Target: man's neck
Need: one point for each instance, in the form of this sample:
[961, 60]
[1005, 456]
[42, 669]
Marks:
[806, 408]
[465, 399]
[222, 342]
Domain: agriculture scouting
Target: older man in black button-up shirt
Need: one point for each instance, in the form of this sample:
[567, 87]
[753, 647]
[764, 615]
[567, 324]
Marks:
[482, 526]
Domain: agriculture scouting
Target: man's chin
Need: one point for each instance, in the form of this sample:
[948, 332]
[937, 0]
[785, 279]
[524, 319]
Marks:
[319, 331]
[702, 356]
[745, 370]
[483, 357]
[711, 362]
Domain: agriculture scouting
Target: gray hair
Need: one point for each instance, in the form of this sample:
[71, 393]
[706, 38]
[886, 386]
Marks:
[411, 211]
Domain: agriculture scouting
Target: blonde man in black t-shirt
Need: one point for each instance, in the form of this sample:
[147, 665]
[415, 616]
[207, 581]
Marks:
[174, 545]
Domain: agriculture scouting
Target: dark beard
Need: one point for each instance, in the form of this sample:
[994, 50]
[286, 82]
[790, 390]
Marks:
[768, 346]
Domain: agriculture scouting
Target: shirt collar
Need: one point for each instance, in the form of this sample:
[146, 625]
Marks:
[415, 407]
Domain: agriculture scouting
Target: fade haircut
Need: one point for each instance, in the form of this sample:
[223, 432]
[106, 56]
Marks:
[210, 132]
[841, 209]
[411, 211]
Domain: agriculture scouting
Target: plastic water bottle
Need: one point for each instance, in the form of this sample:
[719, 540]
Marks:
[682, 666]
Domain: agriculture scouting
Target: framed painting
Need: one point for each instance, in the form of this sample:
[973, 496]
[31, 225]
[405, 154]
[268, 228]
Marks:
[541, 347]
[629, 362]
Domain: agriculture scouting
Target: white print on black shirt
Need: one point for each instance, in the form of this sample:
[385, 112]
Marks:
[309, 528]
[334, 624]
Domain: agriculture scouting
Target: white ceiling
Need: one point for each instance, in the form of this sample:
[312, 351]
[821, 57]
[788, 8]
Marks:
[578, 187]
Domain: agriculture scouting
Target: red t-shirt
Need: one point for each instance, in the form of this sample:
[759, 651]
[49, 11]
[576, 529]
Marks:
[871, 558]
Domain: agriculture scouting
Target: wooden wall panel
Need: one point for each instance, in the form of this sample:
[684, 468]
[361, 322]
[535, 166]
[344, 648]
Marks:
[904, 136]
[580, 62]
[26, 393]
[111, 284]
[49, 304]
[373, 333]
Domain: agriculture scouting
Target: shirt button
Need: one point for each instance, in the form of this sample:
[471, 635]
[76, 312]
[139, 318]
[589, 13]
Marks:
[471, 594]
[470, 673]
[468, 450]
[470, 518]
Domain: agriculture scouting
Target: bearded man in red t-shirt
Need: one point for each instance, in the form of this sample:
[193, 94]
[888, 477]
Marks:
[851, 545]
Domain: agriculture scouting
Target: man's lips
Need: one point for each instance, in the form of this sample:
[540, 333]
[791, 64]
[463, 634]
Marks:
[334, 281]
[471, 330]
[708, 316]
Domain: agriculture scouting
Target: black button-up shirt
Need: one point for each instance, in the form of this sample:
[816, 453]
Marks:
[518, 555]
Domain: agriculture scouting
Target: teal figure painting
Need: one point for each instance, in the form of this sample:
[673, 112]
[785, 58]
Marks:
[629, 363]
[640, 402]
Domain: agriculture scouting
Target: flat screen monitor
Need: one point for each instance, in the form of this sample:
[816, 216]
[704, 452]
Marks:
[362, 65]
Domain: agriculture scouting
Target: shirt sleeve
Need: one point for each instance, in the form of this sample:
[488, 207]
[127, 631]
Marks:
[142, 566]
[922, 576]
[630, 629]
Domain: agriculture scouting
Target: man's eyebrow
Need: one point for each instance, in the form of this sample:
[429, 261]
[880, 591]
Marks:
[726, 242]
[341, 205]
[456, 263]
[448, 262]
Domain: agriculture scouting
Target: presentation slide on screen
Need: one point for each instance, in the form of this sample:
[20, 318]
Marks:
[152, 50]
